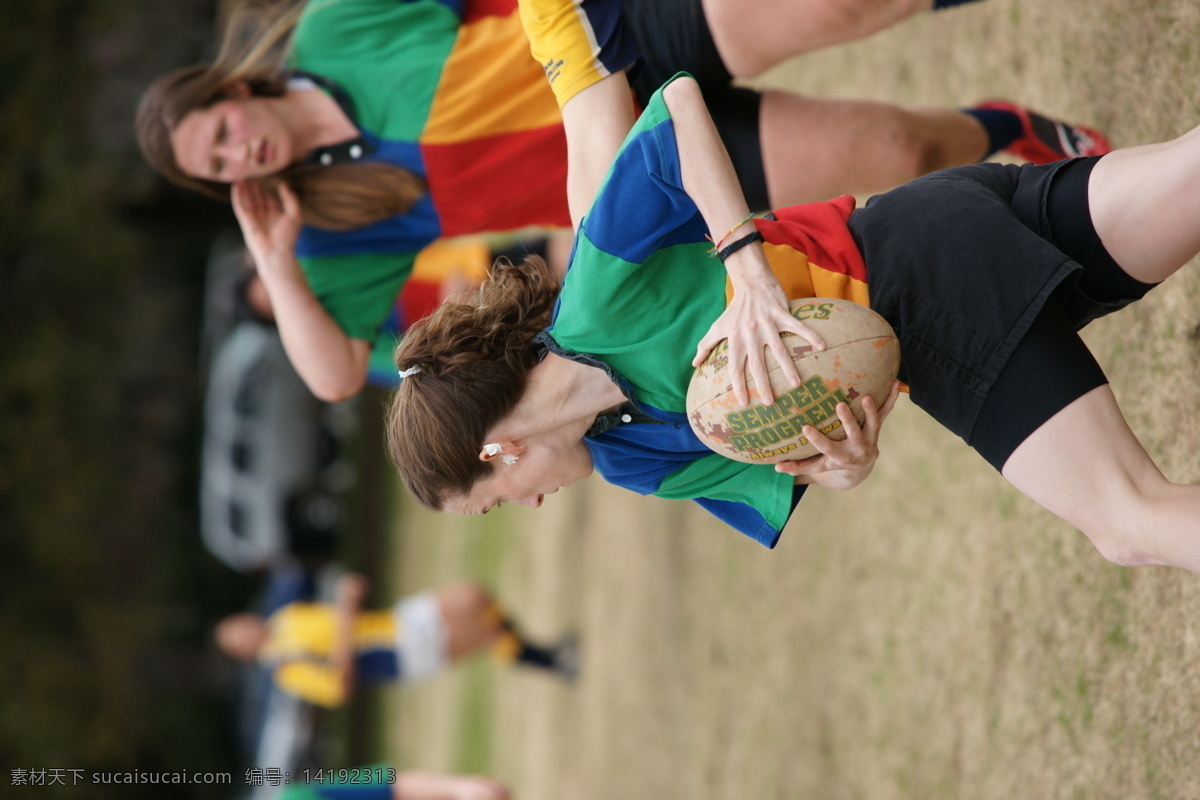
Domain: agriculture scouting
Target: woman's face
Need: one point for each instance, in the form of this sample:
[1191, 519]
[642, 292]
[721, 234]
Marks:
[231, 140]
[541, 468]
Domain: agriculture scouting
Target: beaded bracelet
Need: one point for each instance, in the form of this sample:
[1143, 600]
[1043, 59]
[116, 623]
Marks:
[738, 245]
[717, 244]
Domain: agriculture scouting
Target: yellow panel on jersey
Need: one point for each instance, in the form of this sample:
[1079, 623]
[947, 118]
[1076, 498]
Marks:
[465, 258]
[490, 59]
[311, 681]
[577, 42]
[800, 277]
[305, 630]
[300, 643]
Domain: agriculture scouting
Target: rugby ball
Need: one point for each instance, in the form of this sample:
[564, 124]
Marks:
[861, 357]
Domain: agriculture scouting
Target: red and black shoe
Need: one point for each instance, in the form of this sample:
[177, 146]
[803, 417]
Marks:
[1044, 140]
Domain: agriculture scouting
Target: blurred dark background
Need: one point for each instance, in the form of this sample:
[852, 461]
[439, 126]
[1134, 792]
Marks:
[106, 595]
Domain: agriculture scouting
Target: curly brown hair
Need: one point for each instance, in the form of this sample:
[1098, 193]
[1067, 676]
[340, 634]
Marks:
[474, 356]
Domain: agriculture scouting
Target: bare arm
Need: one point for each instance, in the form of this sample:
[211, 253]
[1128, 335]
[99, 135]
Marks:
[435, 786]
[347, 603]
[759, 310]
[597, 120]
[332, 364]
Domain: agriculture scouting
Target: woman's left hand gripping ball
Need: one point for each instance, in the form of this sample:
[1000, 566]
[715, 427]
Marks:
[270, 220]
[752, 324]
[846, 463]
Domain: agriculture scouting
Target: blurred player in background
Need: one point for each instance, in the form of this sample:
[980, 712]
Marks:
[320, 651]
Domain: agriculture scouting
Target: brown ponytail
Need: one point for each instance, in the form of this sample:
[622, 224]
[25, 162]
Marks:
[474, 358]
[343, 197]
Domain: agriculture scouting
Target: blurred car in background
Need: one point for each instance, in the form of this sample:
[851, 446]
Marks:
[275, 464]
[273, 467]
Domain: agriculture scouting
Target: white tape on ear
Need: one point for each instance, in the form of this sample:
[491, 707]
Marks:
[493, 449]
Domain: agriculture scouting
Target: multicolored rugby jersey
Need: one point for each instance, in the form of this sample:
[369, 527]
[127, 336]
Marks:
[448, 90]
[642, 290]
[300, 644]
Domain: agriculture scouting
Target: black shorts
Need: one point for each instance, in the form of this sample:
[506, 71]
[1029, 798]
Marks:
[673, 36]
[986, 272]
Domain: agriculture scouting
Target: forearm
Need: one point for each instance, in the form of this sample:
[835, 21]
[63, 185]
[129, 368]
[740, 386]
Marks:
[347, 605]
[332, 364]
[711, 182]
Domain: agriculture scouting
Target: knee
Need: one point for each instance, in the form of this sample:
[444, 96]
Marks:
[916, 150]
[469, 599]
[1124, 529]
[466, 600]
[1120, 546]
[868, 16]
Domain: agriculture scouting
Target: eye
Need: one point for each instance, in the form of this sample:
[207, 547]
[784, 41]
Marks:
[218, 163]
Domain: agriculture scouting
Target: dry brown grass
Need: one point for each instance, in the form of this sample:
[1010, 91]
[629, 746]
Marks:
[932, 634]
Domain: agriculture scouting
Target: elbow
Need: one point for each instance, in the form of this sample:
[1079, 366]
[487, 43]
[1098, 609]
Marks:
[337, 389]
[683, 93]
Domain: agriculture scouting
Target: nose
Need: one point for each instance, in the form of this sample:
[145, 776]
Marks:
[235, 154]
[533, 501]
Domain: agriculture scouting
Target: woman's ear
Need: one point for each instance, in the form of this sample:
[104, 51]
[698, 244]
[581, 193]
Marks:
[502, 448]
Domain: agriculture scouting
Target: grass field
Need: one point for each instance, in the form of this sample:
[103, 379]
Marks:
[931, 634]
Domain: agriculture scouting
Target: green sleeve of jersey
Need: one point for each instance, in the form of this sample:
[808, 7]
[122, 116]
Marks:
[720, 478]
[380, 362]
[387, 55]
[358, 290]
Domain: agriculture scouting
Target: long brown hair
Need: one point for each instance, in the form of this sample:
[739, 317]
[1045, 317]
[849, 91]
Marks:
[474, 358]
[253, 50]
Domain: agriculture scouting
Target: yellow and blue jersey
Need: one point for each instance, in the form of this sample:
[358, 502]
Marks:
[577, 42]
[300, 645]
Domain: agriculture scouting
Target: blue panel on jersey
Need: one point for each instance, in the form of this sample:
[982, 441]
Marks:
[642, 207]
[402, 233]
[641, 455]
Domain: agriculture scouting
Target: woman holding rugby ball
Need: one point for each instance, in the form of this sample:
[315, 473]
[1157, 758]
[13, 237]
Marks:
[496, 410]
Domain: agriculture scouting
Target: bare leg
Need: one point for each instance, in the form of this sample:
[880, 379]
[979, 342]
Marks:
[814, 149]
[436, 786]
[1086, 466]
[470, 618]
[755, 36]
[1145, 204]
